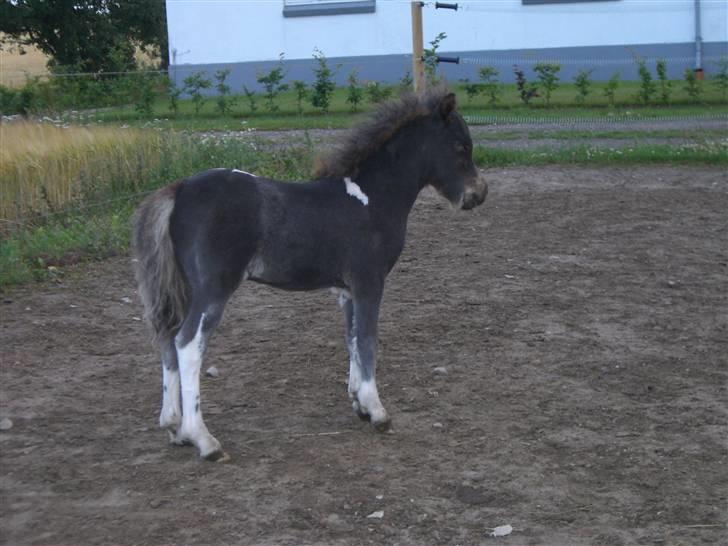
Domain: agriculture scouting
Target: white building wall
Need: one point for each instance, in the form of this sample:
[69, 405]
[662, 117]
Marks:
[235, 31]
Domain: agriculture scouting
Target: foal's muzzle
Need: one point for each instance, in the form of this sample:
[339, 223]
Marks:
[475, 193]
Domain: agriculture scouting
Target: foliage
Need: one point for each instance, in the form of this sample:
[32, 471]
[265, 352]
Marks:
[323, 86]
[472, 90]
[406, 83]
[252, 99]
[301, 90]
[610, 89]
[146, 94]
[173, 94]
[647, 85]
[526, 90]
[490, 87]
[693, 87]
[354, 91]
[664, 83]
[429, 59]
[272, 82]
[720, 80]
[547, 75]
[224, 101]
[583, 84]
[194, 84]
[378, 92]
[86, 35]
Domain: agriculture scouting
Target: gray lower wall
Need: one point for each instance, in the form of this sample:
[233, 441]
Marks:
[604, 60]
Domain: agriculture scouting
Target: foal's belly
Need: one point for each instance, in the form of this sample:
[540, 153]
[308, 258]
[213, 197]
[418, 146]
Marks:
[289, 273]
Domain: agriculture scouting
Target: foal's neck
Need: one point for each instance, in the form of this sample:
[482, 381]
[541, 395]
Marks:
[395, 175]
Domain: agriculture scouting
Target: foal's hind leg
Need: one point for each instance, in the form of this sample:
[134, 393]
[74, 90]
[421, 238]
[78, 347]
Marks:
[191, 342]
[171, 415]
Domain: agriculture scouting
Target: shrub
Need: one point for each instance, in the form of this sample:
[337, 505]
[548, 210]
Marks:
[301, 91]
[490, 87]
[665, 84]
[354, 92]
[647, 85]
[471, 89]
[429, 59]
[526, 90]
[252, 99]
[406, 83]
[194, 84]
[720, 80]
[583, 84]
[145, 94]
[173, 95]
[547, 75]
[693, 86]
[323, 86]
[224, 101]
[272, 84]
[377, 92]
[610, 89]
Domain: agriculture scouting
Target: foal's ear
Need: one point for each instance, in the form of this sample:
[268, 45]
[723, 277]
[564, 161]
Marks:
[447, 105]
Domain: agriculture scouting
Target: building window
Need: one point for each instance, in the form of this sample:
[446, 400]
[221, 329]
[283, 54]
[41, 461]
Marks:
[310, 8]
[534, 2]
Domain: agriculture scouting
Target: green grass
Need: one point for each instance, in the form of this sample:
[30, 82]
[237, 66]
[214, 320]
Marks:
[97, 225]
[509, 109]
[705, 153]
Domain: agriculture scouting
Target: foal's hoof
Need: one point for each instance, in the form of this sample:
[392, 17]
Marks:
[218, 456]
[383, 426]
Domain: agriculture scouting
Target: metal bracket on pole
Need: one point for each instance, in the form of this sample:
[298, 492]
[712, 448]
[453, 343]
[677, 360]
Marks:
[445, 5]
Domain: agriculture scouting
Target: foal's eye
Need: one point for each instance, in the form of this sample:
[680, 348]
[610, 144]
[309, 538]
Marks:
[462, 147]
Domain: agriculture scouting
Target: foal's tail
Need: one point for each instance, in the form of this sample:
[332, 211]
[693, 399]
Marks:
[162, 286]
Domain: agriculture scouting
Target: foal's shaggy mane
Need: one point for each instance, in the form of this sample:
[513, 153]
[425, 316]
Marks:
[368, 136]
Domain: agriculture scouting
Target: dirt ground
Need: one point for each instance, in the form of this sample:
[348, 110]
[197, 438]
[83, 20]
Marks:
[580, 316]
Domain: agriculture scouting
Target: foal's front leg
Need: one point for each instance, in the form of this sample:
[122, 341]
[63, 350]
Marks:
[362, 322]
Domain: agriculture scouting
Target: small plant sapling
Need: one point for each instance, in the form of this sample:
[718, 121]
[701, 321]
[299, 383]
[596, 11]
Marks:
[720, 80]
[647, 84]
[429, 59]
[301, 91]
[583, 84]
[377, 92]
[610, 89]
[664, 83]
[252, 99]
[693, 86]
[194, 84]
[490, 87]
[354, 91]
[224, 101]
[323, 86]
[548, 76]
[526, 90]
[272, 83]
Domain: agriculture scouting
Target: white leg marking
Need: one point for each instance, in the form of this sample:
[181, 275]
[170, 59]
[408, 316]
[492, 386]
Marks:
[193, 427]
[353, 189]
[354, 372]
[369, 401]
[171, 414]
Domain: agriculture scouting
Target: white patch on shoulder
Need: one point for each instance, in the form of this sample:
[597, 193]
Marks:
[353, 189]
[243, 172]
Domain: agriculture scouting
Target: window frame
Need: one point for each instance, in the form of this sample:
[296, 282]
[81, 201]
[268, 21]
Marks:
[546, 2]
[340, 7]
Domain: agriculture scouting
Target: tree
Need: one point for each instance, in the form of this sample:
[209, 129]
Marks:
[86, 35]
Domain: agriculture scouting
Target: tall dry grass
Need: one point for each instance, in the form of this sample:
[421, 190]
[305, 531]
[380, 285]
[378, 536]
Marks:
[46, 168]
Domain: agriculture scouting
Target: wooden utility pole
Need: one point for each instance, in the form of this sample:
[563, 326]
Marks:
[418, 51]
